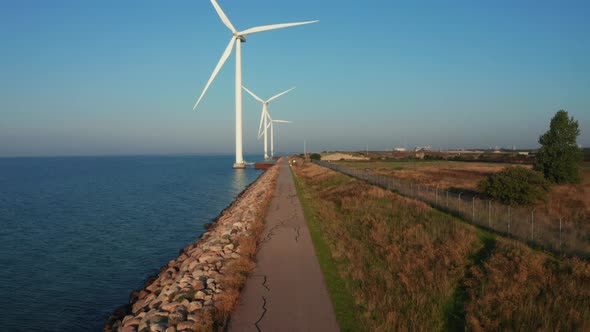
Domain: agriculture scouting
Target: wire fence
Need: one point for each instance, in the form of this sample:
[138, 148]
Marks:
[535, 226]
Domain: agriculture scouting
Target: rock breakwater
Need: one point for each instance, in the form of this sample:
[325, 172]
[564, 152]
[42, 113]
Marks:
[198, 290]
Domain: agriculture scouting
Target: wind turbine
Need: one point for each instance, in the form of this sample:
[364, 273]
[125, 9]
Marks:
[238, 38]
[265, 116]
[272, 134]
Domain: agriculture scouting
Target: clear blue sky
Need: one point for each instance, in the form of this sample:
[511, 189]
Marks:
[121, 77]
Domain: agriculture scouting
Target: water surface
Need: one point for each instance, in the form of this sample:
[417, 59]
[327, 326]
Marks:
[77, 234]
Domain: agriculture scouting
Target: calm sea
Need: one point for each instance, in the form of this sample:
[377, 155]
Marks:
[77, 234]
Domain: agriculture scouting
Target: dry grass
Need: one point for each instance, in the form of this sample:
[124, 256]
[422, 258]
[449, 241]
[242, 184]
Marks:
[442, 174]
[573, 199]
[409, 267]
[569, 202]
[205, 323]
[232, 283]
[520, 289]
[401, 257]
[237, 271]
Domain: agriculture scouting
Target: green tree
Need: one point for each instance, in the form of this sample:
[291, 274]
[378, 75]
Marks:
[559, 156]
[515, 185]
[315, 156]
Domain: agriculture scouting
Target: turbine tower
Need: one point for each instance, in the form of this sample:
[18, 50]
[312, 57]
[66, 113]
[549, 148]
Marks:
[265, 117]
[238, 38]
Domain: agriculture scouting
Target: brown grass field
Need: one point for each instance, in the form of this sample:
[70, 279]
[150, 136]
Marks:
[570, 202]
[444, 174]
[409, 267]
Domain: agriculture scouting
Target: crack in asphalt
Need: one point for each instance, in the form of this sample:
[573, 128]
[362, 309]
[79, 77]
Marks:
[282, 223]
[264, 280]
[271, 232]
[297, 235]
[261, 316]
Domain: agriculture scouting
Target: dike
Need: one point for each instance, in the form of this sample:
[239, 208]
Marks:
[198, 290]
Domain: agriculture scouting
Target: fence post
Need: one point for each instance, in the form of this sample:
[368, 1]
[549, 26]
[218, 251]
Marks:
[559, 234]
[436, 195]
[473, 208]
[533, 224]
[490, 213]
[509, 217]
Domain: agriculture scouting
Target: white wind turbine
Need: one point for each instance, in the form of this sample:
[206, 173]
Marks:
[265, 117]
[238, 38]
[272, 133]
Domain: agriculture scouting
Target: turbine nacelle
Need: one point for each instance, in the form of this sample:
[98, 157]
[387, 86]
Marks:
[242, 38]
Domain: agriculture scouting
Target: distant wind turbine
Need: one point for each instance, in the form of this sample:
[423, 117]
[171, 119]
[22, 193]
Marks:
[238, 38]
[272, 133]
[265, 116]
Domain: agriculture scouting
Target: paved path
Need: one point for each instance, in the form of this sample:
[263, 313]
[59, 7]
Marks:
[286, 291]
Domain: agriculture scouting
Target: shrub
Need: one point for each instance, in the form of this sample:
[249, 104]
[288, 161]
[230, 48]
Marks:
[315, 156]
[515, 185]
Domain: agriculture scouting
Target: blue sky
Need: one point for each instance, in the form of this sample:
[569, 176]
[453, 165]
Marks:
[121, 77]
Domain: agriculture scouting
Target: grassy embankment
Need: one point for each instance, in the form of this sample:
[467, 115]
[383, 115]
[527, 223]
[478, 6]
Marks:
[392, 263]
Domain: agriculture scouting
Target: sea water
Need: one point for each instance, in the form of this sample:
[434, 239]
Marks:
[78, 234]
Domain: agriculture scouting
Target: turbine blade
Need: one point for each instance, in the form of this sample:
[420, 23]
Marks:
[222, 60]
[222, 16]
[253, 95]
[282, 121]
[280, 94]
[268, 116]
[273, 27]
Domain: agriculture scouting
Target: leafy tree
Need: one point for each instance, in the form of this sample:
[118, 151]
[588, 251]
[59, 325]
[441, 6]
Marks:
[316, 156]
[559, 156]
[515, 185]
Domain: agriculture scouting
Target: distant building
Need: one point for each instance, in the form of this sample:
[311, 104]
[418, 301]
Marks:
[399, 149]
[523, 153]
[422, 148]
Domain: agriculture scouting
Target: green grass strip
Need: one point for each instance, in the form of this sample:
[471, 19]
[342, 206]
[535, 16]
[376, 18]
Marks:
[342, 299]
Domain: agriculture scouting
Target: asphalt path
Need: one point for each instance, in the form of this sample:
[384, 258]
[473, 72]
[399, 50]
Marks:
[286, 291]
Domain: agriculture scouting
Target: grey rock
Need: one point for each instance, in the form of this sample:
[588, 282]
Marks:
[186, 325]
[195, 306]
[200, 295]
[159, 327]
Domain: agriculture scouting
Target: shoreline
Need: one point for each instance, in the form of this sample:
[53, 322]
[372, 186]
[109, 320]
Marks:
[199, 288]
